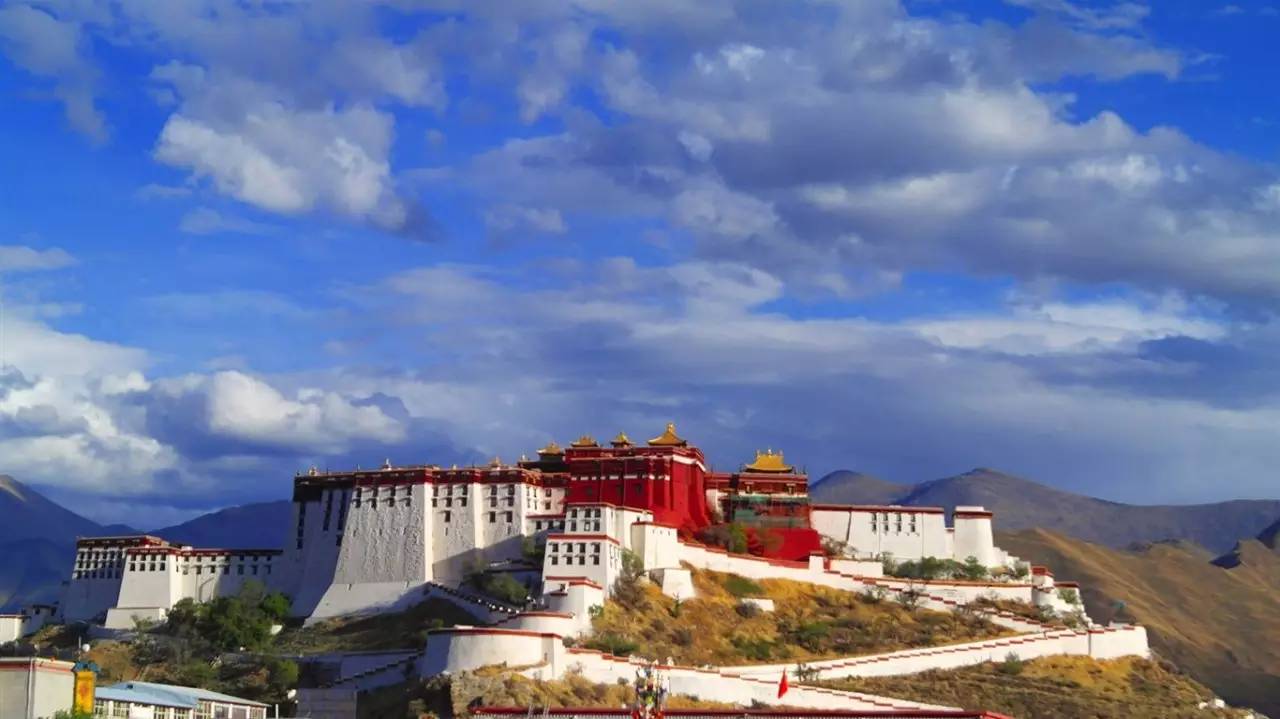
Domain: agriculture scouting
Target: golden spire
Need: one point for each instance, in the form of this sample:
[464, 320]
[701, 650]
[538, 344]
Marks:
[668, 438]
[551, 449]
[768, 461]
[585, 440]
[495, 462]
[622, 440]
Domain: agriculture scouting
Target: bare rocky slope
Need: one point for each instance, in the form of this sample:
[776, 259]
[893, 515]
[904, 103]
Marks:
[1023, 504]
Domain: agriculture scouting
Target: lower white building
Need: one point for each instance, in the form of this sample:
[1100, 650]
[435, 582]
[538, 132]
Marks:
[145, 700]
[121, 580]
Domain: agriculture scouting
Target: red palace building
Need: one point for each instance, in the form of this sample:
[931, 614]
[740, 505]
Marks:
[670, 478]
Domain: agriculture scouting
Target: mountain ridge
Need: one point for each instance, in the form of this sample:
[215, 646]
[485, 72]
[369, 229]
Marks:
[1020, 503]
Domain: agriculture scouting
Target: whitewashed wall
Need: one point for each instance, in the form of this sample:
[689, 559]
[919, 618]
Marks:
[903, 532]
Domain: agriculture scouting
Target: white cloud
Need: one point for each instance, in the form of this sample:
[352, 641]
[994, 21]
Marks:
[239, 409]
[511, 218]
[49, 46]
[206, 221]
[291, 162]
[20, 258]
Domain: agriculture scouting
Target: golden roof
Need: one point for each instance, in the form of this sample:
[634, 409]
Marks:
[585, 440]
[768, 461]
[495, 462]
[622, 440]
[668, 438]
[551, 448]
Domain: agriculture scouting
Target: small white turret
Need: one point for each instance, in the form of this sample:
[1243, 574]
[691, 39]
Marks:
[973, 535]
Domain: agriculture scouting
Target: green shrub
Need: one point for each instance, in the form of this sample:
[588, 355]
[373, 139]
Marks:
[754, 649]
[747, 610]
[614, 644]
[742, 587]
[1012, 665]
[500, 586]
[973, 570]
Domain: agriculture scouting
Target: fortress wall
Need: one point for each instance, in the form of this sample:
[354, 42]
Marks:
[1118, 641]
[859, 567]
[714, 685]
[501, 519]
[911, 661]
[873, 531]
[455, 536]
[964, 592]
[973, 536]
[364, 597]
[657, 545]
[386, 536]
[327, 703]
[84, 599]
[759, 568]
[463, 648]
[311, 550]
[11, 627]
[576, 597]
[143, 586]
[562, 623]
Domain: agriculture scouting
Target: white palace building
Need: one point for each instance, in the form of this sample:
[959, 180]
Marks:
[383, 539]
[373, 539]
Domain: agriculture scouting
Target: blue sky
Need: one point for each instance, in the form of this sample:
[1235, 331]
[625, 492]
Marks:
[909, 238]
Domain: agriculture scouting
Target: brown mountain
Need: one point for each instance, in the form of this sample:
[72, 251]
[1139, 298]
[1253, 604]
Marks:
[1220, 624]
[1023, 504]
[846, 487]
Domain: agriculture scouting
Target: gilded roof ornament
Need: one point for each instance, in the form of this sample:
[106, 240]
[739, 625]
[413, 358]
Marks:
[668, 438]
[551, 449]
[495, 462]
[622, 440]
[585, 440]
[768, 461]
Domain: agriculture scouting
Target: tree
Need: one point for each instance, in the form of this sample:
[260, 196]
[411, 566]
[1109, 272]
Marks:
[627, 589]
[973, 570]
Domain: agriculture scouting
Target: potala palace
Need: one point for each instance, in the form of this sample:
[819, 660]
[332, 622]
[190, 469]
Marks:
[382, 539]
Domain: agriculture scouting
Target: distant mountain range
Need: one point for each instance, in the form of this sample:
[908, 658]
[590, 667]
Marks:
[250, 526]
[37, 543]
[1023, 504]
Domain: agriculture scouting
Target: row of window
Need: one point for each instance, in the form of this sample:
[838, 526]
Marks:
[883, 523]
[111, 710]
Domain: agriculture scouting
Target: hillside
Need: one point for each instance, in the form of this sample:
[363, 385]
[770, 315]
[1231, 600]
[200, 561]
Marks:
[1023, 504]
[1219, 624]
[250, 526]
[1271, 536]
[1056, 688]
[809, 622]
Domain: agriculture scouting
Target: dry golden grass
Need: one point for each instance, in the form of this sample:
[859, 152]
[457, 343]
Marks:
[1056, 688]
[1222, 626]
[810, 622]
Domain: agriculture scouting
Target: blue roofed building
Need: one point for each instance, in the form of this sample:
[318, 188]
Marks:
[145, 700]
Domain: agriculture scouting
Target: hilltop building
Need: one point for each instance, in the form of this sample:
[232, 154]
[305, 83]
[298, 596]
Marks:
[374, 539]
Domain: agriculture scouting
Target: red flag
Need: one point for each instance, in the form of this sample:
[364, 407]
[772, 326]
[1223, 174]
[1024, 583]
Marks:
[782, 685]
